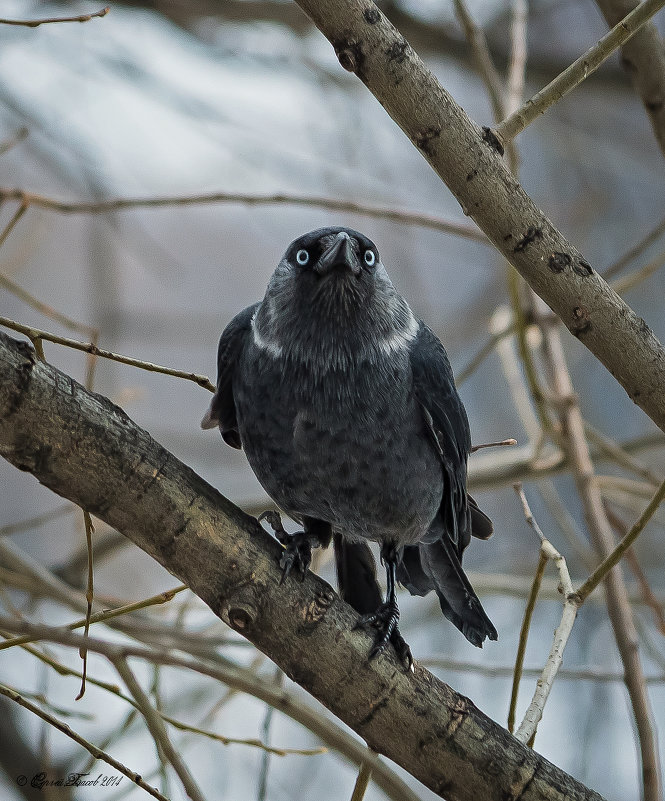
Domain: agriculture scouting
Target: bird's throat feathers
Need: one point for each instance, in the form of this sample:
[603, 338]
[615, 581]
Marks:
[333, 322]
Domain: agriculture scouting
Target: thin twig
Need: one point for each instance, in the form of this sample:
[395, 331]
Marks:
[482, 59]
[38, 520]
[524, 635]
[614, 557]
[90, 347]
[567, 524]
[484, 351]
[242, 680]
[45, 309]
[578, 71]
[96, 752]
[157, 729]
[89, 597]
[527, 729]
[331, 204]
[503, 443]
[647, 593]
[518, 54]
[618, 605]
[622, 285]
[105, 615]
[617, 454]
[362, 782]
[14, 140]
[20, 211]
[502, 672]
[64, 670]
[268, 715]
[635, 251]
[34, 23]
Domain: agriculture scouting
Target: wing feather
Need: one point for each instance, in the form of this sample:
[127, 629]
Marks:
[448, 426]
[222, 411]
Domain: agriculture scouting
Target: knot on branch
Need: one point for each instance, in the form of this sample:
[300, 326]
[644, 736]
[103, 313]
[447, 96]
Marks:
[350, 55]
[241, 609]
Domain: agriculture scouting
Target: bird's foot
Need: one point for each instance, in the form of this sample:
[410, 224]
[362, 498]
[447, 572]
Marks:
[297, 553]
[297, 547]
[384, 621]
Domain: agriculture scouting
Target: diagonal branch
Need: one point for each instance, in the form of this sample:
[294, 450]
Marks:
[468, 159]
[83, 447]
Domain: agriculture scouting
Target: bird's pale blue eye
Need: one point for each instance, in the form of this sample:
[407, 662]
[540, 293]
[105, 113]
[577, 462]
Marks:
[370, 258]
[302, 257]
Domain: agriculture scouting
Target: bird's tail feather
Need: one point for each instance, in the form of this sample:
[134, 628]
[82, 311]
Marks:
[356, 575]
[481, 525]
[458, 601]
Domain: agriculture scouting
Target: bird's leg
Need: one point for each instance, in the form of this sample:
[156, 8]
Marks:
[297, 547]
[386, 617]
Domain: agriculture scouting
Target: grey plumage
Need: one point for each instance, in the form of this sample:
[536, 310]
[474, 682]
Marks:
[347, 410]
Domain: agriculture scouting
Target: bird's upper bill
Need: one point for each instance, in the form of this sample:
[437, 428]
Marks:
[340, 253]
[329, 250]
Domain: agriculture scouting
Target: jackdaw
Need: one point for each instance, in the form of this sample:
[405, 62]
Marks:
[346, 407]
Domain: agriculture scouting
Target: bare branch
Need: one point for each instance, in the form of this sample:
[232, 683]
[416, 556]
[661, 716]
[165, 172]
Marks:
[534, 713]
[157, 729]
[578, 71]
[332, 204]
[502, 443]
[618, 605]
[469, 161]
[97, 753]
[636, 250]
[34, 23]
[524, 635]
[482, 59]
[20, 211]
[648, 594]
[362, 781]
[614, 557]
[90, 347]
[518, 55]
[622, 285]
[105, 615]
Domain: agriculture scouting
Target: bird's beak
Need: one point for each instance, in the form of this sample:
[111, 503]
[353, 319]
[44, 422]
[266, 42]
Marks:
[339, 254]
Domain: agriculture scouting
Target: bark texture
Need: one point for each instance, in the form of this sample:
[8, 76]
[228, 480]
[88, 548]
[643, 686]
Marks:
[468, 158]
[86, 449]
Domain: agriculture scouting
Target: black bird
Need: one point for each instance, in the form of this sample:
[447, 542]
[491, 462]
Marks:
[346, 407]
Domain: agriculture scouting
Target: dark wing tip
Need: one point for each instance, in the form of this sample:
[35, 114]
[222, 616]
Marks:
[481, 525]
[232, 438]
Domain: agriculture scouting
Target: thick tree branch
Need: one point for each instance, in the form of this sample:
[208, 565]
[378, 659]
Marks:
[83, 447]
[468, 159]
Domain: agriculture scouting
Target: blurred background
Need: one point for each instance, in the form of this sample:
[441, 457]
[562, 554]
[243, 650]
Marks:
[179, 99]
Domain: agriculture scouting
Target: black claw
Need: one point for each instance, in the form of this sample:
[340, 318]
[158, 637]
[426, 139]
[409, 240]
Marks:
[401, 647]
[297, 547]
[384, 621]
[297, 553]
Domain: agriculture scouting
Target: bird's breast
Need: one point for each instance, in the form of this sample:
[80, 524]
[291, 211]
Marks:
[346, 446]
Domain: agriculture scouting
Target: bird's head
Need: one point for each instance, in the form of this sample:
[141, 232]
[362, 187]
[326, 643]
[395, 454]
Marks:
[331, 290]
[337, 272]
